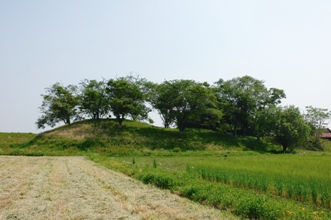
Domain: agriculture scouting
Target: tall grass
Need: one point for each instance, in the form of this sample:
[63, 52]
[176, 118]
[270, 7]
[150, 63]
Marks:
[242, 202]
[297, 177]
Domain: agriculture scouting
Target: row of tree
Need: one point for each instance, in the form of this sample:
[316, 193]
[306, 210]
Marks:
[242, 105]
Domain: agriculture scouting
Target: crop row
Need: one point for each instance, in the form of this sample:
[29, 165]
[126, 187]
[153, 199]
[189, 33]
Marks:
[304, 185]
[241, 202]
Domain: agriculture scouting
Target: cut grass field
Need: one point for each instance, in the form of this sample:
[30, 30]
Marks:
[244, 176]
[75, 188]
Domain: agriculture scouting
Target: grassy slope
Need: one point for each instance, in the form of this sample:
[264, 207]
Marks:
[134, 138]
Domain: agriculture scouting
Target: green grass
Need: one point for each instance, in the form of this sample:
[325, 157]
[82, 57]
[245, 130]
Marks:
[10, 144]
[134, 138]
[297, 177]
[240, 174]
[14, 139]
[170, 173]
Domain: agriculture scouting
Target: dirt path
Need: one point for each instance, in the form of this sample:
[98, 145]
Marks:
[76, 188]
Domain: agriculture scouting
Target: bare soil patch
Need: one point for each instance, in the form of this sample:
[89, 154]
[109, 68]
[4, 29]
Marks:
[76, 188]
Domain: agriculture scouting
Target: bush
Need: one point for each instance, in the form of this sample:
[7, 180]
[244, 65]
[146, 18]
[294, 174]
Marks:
[161, 180]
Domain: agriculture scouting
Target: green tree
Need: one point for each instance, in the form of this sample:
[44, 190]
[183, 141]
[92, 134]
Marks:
[59, 105]
[126, 98]
[210, 116]
[290, 129]
[182, 101]
[93, 100]
[317, 119]
[264, 117]
[161, 99]
[264, 121]
[240, 98]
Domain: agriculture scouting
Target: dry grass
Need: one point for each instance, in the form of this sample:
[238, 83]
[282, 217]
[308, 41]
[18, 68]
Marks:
[75, 132]
[75, 188]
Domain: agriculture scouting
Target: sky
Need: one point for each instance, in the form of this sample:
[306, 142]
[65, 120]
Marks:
[287, 44]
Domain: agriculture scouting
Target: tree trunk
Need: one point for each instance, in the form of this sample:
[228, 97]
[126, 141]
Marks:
[181, 126]
[284, 148]
[120, 120]
[235, 131]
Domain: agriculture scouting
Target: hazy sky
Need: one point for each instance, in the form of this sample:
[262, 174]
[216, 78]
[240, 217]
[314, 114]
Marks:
[285, 43]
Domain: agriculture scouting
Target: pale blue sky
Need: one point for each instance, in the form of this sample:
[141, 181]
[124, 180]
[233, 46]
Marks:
[285, 43]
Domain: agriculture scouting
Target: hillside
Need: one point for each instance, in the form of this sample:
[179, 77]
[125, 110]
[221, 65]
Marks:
[134, 138]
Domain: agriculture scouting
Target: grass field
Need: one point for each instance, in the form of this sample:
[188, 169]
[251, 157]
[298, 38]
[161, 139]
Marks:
[249, 184]
[244, 176]
[296, 177]
[75, 188]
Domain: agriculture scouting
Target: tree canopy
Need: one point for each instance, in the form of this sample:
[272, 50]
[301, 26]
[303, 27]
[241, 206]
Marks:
[181, 101]
[290, 128]
[242, 105]
[93, 100]
[126, 98]
[317, 119]
[59, 104]
[242, 98]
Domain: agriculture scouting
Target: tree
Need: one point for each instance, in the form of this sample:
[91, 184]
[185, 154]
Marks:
[264, 117]
[209, 116]
[317, 119]
[59, 104]
[182, 101]
[290, 129]
[161, 99]
[240, 98]
[264, 121]
[126, 98]
[93, 101]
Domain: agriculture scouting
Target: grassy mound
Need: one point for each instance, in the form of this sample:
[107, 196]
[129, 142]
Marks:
[133, 138]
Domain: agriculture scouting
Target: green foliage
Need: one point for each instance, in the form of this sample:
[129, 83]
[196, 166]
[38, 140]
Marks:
[177, 149]
[126, 98]
[181, 101]
[242, 98]
[59, 105]
[19, 152]
[317, 119]
[161, 99]
[159, 179]
[290, 129]
[93, 101]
